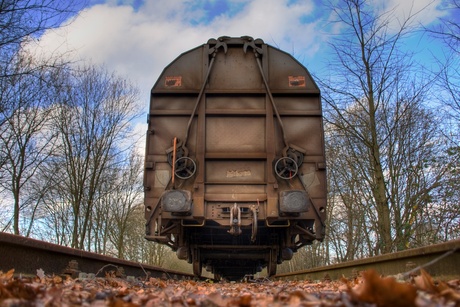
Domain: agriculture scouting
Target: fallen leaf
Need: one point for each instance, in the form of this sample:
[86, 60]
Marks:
[245, 300]
[383, 291]
[425, 282]
[17, 289]
[41, 274]
[7, 276]
[57, 279]
[216, 299]
[368, 289]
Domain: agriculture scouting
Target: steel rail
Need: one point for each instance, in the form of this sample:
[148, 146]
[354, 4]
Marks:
[440, 260]
[26, 256]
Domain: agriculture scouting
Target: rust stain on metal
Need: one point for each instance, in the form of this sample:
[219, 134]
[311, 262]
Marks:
[173, 81]
[439, 260]
[297, 81]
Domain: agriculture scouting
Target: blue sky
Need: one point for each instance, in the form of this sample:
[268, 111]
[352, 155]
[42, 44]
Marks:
[139, 38]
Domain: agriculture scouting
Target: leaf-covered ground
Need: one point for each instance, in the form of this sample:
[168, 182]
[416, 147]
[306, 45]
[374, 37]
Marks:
[367, 290]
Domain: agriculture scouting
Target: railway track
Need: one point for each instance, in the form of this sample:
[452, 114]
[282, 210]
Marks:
[440, 260]
[26, 256]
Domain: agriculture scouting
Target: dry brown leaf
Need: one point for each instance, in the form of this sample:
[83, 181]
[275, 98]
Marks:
[245, 299]
[112, 291]
[7, 276]
[4, 293]
[425, 282]
[57, 279]
[454, 283]
[383, 291]
[162, 284]
[451, 295]
[296, 297]
[216, 299]
[53, 297]
[17, 289]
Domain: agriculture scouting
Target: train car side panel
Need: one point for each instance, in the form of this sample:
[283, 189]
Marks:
[235, 176]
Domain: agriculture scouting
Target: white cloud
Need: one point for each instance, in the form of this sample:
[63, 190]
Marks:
[419, 11]
[138, 43]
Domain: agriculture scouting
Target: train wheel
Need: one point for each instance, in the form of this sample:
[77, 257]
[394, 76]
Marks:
[196, 262]
[197, 266]
[271, 268]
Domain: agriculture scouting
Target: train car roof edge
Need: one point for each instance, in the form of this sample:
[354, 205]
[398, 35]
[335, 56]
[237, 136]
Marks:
[233, 40]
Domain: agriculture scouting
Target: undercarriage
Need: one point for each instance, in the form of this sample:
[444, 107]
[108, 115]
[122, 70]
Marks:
[214, 248]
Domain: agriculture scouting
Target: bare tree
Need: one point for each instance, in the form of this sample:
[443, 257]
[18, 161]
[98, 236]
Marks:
[93, 121]
[443, 216]
[136, 248]
[351, 218]
[22, 115]
[125, 195]
[23, 20]
[448, 31]
[375, 104]
[25, 136]
[311, 256]
[114, 214]
[55, 222]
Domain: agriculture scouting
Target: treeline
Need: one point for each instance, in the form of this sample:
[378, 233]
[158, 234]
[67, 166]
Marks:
[392, 128]
[69, 169]
[70, 172]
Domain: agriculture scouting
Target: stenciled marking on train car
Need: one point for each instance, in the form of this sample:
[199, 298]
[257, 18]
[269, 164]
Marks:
[173, 81]
[297, 81]
[238, 173]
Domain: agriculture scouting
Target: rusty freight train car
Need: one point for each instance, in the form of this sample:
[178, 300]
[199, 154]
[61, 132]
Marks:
[235, 171]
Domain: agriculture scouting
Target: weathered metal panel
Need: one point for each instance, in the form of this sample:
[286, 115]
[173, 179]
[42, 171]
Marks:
[235, 70]
[287, 74]
[187, 68]
[244, 120]
[232, 134]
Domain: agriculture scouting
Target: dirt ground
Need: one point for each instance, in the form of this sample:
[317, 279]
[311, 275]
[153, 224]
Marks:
[369, 289]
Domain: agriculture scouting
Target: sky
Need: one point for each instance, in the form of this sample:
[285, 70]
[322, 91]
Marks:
[138, 38]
